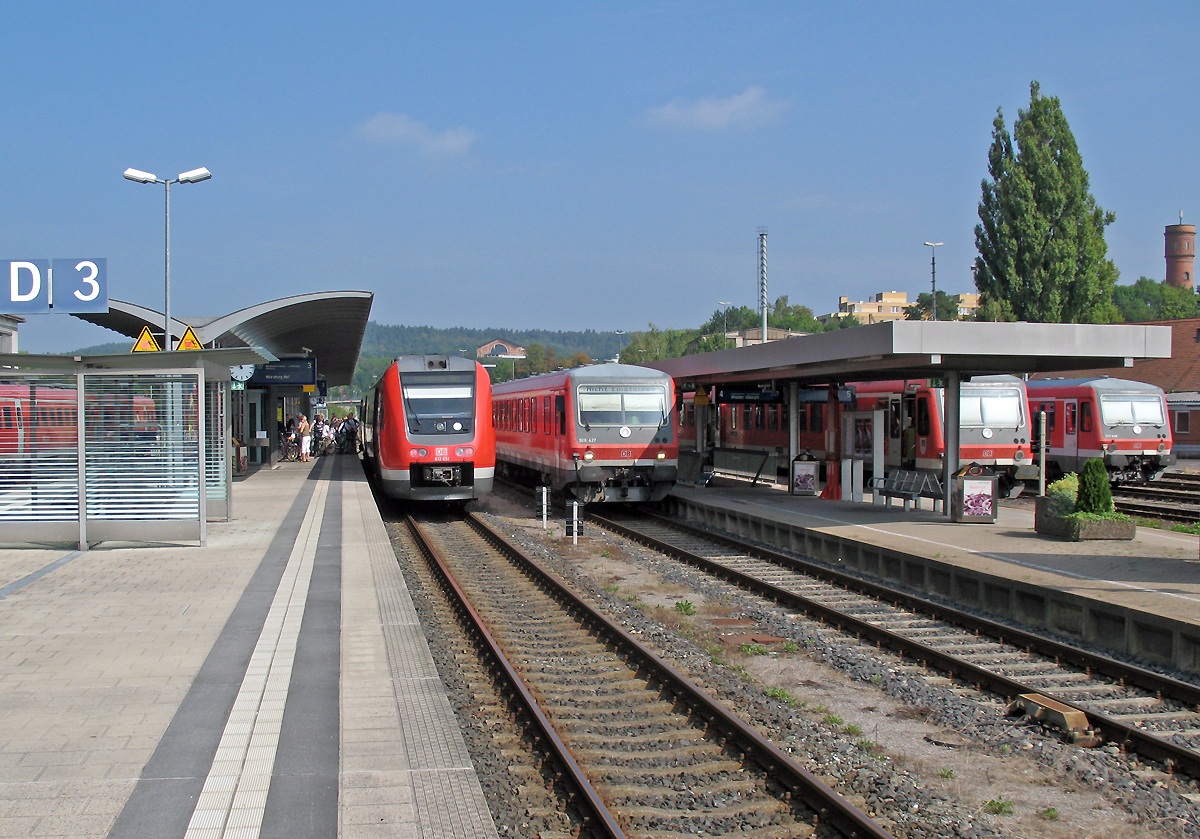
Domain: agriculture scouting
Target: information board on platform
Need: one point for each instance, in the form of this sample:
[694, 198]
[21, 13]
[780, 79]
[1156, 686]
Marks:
[286, 371]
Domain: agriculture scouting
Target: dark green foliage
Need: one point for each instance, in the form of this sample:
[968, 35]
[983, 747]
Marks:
[391, 341]
[1042, 255]
[1095, 494]
[1152, 300]
[947, 307]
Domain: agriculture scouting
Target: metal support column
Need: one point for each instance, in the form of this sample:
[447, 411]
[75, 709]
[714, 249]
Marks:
[951, 409]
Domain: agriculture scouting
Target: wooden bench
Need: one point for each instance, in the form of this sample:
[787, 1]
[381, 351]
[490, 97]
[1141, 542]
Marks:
[911, 485]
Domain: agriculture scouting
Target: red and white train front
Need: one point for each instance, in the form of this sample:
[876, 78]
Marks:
[427, 433]
[594, 434]
[1124, 423]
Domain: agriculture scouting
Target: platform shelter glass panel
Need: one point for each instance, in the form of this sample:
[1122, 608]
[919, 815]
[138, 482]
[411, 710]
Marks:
[143, 447]
[39, 449]
[217, 431]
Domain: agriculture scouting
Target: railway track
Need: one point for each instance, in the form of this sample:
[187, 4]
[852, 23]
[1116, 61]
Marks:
[645, 751]
[1174, 497]
[1143, 712]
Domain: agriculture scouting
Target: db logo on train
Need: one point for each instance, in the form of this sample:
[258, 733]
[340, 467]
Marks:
[626, 453]
[441, 452]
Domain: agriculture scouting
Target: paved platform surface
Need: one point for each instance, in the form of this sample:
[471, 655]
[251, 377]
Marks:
[1158, 572]
[274, 683]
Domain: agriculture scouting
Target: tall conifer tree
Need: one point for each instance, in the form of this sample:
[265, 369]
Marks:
[1042, 255]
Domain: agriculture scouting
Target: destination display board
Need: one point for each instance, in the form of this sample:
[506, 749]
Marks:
[286, 371]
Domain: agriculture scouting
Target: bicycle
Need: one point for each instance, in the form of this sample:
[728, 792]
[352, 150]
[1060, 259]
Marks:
[289, 449]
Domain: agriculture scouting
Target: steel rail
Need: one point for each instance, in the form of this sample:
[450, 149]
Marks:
[829, 806]
[602, 821]
[1127, 736]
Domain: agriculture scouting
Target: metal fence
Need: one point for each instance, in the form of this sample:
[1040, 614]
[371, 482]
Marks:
[111, 455]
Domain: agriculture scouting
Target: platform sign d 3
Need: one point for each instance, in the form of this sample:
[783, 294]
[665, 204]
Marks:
[42, 286]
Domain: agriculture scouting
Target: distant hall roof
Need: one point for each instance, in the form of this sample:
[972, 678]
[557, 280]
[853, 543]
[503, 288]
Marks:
[326, 325]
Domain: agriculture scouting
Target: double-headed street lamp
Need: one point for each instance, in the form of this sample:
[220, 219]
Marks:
[195, 176]
[933, 272]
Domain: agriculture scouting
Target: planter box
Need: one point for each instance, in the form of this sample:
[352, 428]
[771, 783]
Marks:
[1079, 531]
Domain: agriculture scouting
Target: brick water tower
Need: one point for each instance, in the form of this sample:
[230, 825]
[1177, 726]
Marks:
[1181, 253]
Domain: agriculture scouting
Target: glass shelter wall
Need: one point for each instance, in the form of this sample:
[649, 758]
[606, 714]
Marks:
[102, 455]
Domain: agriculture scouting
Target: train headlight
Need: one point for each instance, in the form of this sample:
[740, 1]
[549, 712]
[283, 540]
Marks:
[414, 452]
[464, 451]
[457, 426]
[589, 455]
[1020, 455]
[439, 426]
[1162, 447]
[661, 455]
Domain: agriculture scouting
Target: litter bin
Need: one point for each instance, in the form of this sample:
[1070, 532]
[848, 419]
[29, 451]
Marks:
[804, 474]
[974, 495]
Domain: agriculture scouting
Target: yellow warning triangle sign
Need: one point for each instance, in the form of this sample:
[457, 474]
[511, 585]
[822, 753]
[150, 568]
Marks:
[189, 341]
[145, 342]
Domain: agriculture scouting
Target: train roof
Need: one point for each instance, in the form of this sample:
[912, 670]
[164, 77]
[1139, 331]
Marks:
[591, 373]
[430, 363]
[1099, 383]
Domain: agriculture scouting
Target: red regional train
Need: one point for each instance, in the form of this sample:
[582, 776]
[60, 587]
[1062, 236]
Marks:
[427, 431]
[592, 434]
[36, 419]
[994, 428]
[1123, 423]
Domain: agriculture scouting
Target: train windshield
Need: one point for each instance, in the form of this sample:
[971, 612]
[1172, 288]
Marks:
[990, 408]
[633, 405]
[1131, 409]
[440, 395]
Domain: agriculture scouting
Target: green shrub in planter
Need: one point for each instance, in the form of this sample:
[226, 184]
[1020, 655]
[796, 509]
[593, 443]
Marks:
[1062, 495]
[1095, 493]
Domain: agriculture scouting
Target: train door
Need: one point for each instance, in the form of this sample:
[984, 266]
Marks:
[908, 448]
[1070, 428]
[562, 443]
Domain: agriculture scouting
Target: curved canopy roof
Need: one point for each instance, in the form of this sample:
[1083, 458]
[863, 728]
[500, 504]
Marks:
[326, 325]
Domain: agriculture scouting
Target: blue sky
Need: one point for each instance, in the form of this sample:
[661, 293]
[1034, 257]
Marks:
[565, 166]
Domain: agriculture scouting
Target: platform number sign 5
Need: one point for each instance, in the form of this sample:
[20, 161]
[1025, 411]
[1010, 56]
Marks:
[41, 286]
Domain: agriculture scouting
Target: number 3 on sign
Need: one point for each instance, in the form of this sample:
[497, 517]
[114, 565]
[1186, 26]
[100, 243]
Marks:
[80, 285]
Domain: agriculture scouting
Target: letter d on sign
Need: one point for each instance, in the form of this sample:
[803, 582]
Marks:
[28, 286]
[14, 281]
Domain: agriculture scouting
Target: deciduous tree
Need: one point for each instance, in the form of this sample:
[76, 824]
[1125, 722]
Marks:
[1042, 255]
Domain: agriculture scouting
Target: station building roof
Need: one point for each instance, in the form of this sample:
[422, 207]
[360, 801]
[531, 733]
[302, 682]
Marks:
[326, 325]
[926, 349]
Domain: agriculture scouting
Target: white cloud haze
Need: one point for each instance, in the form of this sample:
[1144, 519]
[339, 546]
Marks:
[402, 130]
[748, 109]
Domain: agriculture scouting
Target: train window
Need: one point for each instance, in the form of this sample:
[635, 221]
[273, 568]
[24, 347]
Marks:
[772, 418]
[691, 416]
[1069, 418]
[1085, 416]
[546, 415]
[733, 417]
[616, 405]
[783, 416]
[8, 419]
[802, 417]
[760, 421]
[533, 415]
[991, 407]
[818, 419]
[1183, 422]
[894, 419]
[923, 423]
[1131, 409]
[560, 408]
[748, 417]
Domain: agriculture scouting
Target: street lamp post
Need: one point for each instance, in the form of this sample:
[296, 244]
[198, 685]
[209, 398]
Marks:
[195, 176]
[725, 334]
[620, 342]
[933, 272]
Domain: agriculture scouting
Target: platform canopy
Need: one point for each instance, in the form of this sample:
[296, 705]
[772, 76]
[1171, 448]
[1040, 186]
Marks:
[925, 349]
[326, 325]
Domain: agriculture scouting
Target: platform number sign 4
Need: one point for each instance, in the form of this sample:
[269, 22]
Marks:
[42, 286]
